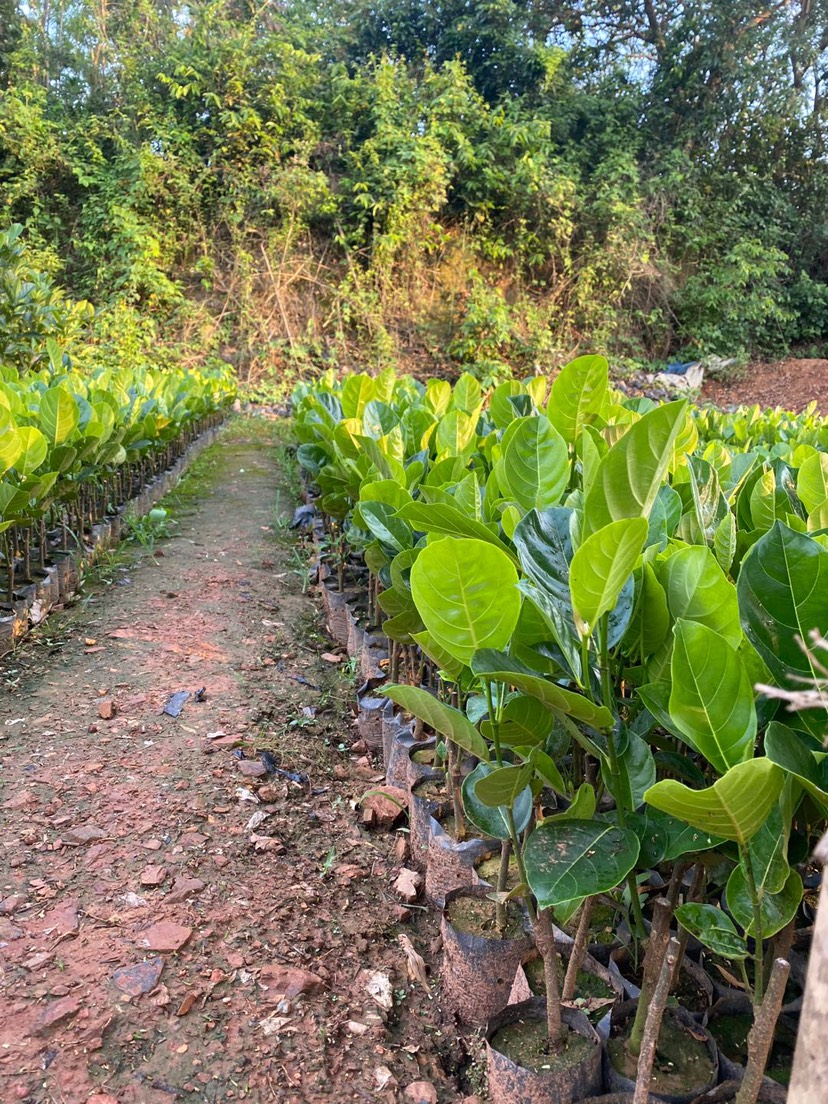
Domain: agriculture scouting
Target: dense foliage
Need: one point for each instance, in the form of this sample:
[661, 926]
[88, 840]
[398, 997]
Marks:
[491, 183]
[610, 591]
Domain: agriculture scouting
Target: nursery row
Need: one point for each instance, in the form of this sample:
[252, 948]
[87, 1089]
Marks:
[75, 448]
[597, 610]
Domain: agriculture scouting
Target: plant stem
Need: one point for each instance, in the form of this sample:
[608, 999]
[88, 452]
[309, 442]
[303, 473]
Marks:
[453, 779]
[578, 951]
[653, 969]
[494, 721]
[545, 937]
[760, 1039]
[652, 1025]
[758, 949]
[502, 879]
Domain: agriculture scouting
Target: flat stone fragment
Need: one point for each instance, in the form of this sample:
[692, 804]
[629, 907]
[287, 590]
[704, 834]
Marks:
[141, 978]
[252, 768]
[289, 981]
[384, 807]
[420, 1092]
[408, 885]
[56, 1012]
[153, 875]
[84, 833]
[165, 936]
[182, 889]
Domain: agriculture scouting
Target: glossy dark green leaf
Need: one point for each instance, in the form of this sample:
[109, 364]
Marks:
[777, 909]
[445, 719]
[713, 928]
[501, 787]
[577, 858]
[492, 822]
[788, 750]
[783, 593]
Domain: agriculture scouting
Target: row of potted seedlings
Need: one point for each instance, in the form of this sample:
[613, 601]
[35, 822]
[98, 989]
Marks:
[78, 454]
[615, 824]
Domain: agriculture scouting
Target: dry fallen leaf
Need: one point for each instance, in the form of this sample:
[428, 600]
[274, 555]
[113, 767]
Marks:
[415, 963]
[187, 1003]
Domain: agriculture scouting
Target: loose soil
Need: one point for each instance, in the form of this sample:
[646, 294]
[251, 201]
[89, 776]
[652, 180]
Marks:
[526, 1043]
[682, 1063]
[791, 384]
[172, 925]
[474, 916]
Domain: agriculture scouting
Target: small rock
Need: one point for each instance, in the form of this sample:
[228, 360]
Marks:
[165, 936]
[63, 919]
[385, 806]
[420, 1092]
[84, 833]
[357, 1028]
[252, 768]
[102, 1098]
[220, 861]
[184, 888]
[408, 884]
[401, 914]
[288, 981]
[153, 875]
[11, 904]
[401, 849]
[378, 987]
[359, 747]
[271, 792]
[106, 709]
[384, 1078]
[141, 978]
[56, 1012]
[329, 657]
[340, 771]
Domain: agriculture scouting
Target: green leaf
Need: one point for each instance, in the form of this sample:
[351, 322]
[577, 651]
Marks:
[445, 719]
[501, 787]
[455, 435]
[466, 394]
[601, 567]
[724, 541]
[783, 593]
[466, 593]
[449, 520]
[385, 524]
[777, 909]
[651, 618]
[59, 415]
[577, 858]
[501, 410]
[698, 590]
[524, 722]
[488, 820]
[502, 668]
[534, 465]
[711, 703]
[713, 928]
[735, 807]
[10, 447]
[787, 749]
[664, 838]
[768, 851]
[577, 395]
[33, 450]
[630, 475]
[812, 481]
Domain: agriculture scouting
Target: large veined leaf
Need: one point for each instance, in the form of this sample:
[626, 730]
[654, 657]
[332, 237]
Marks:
[455, 434]
[698, 590]
[787, 749]
[466, 394]
[711, 702]
[577, 395]
[812, 481]
[357, 391]
[601, 567]
[724, 541]
[445, 719]
[735, 807]
[783, 593]
[501, 787]
[651, 618]
[630, 475]
[10, 447]
[59, 415]
[448, 519]
[577, 858]
[534, 466]
[713, 928]
[383, 522]
[33, 450]
[466, 593]
[768, 853]
[525, 722]
[490, 820]
[501, 411]
[665, 838]
[544, 547]
[500, 667]
[777, 909]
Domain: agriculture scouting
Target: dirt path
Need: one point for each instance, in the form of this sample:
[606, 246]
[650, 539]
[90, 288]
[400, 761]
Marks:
[154, 946]
[791, 384]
